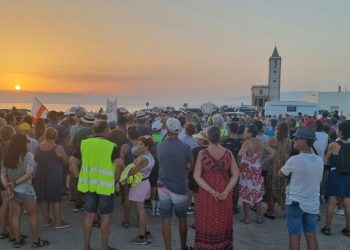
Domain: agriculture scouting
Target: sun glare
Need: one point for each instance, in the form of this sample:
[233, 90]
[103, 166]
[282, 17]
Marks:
[18, 87]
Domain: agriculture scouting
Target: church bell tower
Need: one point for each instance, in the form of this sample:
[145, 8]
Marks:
[275, 76]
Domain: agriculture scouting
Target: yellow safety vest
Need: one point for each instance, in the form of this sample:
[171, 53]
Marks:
[97, 173]
[224, 132]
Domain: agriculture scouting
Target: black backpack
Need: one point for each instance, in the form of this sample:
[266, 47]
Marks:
[343, 161]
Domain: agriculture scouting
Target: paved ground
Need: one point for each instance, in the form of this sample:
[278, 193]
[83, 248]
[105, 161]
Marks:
[270, 235]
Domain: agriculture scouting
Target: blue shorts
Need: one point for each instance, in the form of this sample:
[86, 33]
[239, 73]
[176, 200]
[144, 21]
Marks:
[169, 200]
[102, 203]
[298, 219]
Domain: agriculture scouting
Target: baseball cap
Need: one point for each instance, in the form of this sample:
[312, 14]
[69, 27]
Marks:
[156, 125]
[173, 125]
[307, 133]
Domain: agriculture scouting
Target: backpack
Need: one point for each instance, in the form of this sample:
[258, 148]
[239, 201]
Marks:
[234, 145]
[343, 160]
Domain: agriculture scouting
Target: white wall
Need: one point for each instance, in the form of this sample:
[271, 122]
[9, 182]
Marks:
[335, 100]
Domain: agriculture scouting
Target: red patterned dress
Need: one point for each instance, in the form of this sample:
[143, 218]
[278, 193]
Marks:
[251, 178]
[214, 221]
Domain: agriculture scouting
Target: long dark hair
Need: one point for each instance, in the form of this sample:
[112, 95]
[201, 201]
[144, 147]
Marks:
[282, 132]
[39, 128]
[16, 149]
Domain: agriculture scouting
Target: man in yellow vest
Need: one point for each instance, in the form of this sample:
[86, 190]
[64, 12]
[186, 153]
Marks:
[97, 180]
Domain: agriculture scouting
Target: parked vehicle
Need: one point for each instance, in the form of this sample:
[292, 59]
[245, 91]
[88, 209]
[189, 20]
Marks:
[247, 110]
[293, 108]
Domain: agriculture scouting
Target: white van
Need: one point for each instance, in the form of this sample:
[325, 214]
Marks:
[293, 108]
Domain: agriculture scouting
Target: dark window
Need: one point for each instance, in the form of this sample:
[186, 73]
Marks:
[260, 91]
[274, 80]
[291, 108]
[275, 71]
[261, 102]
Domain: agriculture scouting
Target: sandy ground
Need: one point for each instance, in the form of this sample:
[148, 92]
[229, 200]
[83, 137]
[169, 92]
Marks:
[270, 235]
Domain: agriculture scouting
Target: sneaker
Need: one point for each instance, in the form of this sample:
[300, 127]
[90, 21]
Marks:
[63, 224]
[148, 237]
[190, 211]
[153, 213]
[139, 241]
[158, 212]
[78, 208]
[339, 211]
[49, 223]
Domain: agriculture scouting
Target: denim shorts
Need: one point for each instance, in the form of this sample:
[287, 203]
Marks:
[297, 219]
[102, 203]
[169, 201]
[24, 198]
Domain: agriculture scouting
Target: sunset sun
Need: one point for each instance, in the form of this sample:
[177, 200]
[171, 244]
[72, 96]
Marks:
[18, 87]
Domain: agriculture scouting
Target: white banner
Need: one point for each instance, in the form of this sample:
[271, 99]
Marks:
[112, 110]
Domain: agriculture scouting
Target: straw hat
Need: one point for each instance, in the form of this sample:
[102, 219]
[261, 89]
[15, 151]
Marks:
[201, 136]
[88, 118]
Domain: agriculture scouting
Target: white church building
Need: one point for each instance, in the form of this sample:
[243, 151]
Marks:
[271, 92]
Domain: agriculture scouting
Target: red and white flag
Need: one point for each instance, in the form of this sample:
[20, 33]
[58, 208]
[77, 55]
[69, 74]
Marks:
[38, 110]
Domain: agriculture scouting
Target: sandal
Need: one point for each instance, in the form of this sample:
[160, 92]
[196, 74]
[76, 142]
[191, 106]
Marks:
[260, 221]
[244, 221]
[125, 224]
[4, 236]
[346, 232]
[22, 237]
[326, 231]
[40, 243]
[267, 215]
[18, 244]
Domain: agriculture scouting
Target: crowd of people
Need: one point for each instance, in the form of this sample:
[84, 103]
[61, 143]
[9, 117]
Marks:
[176, 163]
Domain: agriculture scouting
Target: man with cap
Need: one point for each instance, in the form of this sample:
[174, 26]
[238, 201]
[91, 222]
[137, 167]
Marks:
[303, 191]
[157, 129]
[175, 158]
[86, 131]
[141, 120]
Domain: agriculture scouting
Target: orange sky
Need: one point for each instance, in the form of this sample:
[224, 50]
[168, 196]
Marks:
[171, 48]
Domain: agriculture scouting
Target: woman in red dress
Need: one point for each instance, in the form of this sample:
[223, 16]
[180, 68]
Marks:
[216, 173]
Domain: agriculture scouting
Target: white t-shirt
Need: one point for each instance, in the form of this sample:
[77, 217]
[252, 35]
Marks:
[321, 143]
[32, 145]
[304, 186]
[182, 134]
